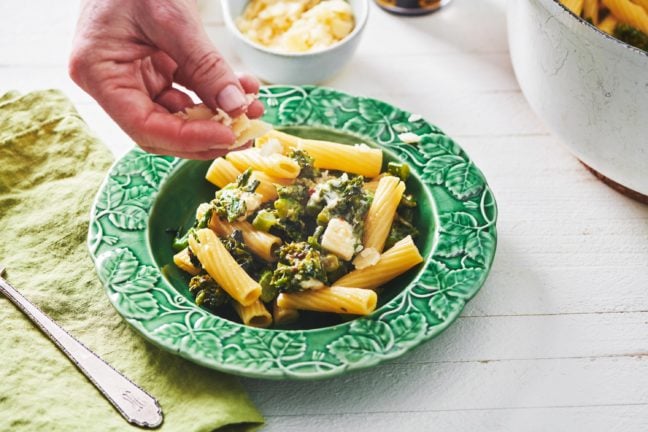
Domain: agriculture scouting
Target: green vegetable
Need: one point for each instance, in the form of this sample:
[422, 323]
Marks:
[401, 228]
[631, 36]
[264, 220]
[299, 264]
[307, 171]
[231, 202]
[342, 197]
[207, 292]
[268, 291]
[179, 243]
[241, 254]
[400, 170]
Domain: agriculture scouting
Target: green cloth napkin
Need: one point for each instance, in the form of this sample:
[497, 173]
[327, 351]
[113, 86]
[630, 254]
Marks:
[50, 169]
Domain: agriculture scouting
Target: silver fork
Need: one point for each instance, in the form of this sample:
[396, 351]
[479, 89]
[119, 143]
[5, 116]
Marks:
[133, 403]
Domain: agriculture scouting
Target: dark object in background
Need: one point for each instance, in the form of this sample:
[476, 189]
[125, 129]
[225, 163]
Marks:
[411, 7]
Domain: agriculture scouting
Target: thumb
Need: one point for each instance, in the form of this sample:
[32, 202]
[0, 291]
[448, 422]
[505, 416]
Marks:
[201, 67]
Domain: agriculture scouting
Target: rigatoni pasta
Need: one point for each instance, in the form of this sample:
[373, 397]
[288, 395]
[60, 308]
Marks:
[222, 267]
[301, 239]
[338, 299]
[382, 211]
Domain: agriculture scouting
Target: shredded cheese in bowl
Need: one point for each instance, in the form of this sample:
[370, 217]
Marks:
[296, 26]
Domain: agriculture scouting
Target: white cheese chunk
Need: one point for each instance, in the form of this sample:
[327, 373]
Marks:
[414, 118]
[311, 284]
[338, 238]
[409, 138]
[367, 258]
[202, 210]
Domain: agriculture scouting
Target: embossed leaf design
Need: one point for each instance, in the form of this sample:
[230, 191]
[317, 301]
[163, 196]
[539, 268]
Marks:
[365, 340]
[288, 348]
[203, 340]
[463, 180]
[134, 164]
[443, 306]
[117, 266]
[110, 196]
[478, 246]
[138, 306]
[144, 280]
[128, 217]
[408, 327]
[295, 110]
[449, 245]
[462, 283]
[171, 333]
[460, 223]
[432, 279]
[438, 144]
[159, 168]
[141, 196]
[436, 168]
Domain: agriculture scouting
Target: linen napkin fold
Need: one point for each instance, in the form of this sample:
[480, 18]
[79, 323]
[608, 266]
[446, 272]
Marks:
[50, 169]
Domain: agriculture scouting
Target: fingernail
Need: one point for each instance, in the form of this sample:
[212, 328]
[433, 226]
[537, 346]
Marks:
[231, 98]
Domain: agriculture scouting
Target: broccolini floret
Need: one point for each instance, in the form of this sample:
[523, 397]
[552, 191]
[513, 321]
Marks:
[236, 200]
[207, 292]
[299, 268]
[631, 36]
[307, 170]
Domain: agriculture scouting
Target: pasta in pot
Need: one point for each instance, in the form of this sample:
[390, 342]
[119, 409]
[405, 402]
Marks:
[627, 20]
[299, 225]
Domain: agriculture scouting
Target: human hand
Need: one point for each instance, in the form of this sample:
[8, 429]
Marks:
[127, 55]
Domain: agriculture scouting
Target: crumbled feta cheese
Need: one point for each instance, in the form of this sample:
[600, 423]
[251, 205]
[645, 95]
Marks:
[338, 238]
[202, 210]
[400, 128]
[414, 118]
[409, 138]
[252, 202]
[311, 284]
[367, 258]
[272, 146]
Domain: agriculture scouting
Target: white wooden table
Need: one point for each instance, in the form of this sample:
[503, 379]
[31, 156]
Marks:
[557, 340]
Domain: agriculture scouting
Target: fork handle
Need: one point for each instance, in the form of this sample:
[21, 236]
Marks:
[133, 403]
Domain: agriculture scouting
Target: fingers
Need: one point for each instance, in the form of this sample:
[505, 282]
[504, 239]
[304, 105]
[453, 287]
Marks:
[173, 100]
[249, 84]
[255, 110]
[156, 130]
[175, 28]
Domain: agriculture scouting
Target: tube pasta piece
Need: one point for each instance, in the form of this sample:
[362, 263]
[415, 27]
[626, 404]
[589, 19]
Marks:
[268, 185]
[629, 13]
[254, 315]
[575, 6]
[371, 186]
[276, 165]
[260, 243]
[642, 3]
[608, 24]
[401, 257]
[182, 260]
[338, 299]
[282, 315]
[591, 10]
[381, 213]
[221, 266]
[358, 159]
[221, 172]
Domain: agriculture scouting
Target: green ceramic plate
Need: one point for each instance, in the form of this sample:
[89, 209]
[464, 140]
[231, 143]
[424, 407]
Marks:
[144, 194]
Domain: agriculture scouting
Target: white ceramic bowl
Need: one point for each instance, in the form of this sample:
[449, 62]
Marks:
[589, 88]
[282, 68]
